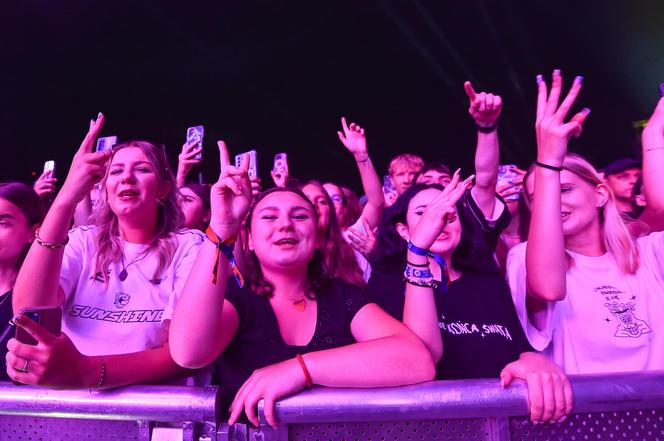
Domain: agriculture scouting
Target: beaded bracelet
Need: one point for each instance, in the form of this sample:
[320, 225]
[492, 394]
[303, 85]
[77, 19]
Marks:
[422, 283]
[417, 273]
[102, 377]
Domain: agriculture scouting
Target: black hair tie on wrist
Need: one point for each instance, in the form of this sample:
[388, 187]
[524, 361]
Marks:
[486, 129]
[547, 166]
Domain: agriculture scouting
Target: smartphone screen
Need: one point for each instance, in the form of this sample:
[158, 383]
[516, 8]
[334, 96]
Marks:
[388, 185]
[253, 166]
[280, 164]
[506, 175]
[106, 143]
[49, 167]
[196, 133]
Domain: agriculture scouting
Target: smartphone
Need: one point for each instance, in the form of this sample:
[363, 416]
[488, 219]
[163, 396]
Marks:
[506, 175]
[49, 167]
[253, 166]
[196, 133]
[106, 143]
[280, 165]
[48, 317]
[388, 185]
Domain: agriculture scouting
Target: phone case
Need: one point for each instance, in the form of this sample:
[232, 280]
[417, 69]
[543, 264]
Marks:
[506, 174]
[49, 166]
[253, 166]
[196, 133]
[280, 163]
[106, 143]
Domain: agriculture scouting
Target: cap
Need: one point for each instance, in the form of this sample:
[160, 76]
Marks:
[620, 165]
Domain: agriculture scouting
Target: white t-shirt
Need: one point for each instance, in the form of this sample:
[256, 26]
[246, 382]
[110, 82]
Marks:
[127, 316]
[609, 321]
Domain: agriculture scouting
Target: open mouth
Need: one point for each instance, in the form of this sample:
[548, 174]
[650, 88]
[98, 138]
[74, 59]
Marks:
[286, 242]
[127, 194]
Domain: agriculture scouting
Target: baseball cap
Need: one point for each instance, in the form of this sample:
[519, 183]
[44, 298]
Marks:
[620, 165]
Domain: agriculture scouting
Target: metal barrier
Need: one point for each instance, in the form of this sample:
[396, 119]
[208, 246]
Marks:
[606, 407]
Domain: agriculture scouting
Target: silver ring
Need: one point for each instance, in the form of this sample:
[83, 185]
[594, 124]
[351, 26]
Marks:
[25, 367]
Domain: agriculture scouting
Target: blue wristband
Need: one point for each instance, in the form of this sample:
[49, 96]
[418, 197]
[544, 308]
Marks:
[417, 250]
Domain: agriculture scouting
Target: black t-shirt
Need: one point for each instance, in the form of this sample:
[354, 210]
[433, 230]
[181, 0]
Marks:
[6, 315]
[479, 325]
[258, 342]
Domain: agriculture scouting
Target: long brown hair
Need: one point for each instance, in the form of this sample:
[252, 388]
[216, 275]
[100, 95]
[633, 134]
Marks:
[169, 216]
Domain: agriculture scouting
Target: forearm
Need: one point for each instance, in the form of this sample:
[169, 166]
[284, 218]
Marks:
[196, 324]
[387, 361]
[545, 252]
[420, 314]
[653, 170]
[487, 158]
[372, 188]
[143, 367]
[38, 280]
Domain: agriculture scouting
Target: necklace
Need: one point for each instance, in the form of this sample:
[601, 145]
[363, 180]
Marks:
[123, 274]
[298, 304]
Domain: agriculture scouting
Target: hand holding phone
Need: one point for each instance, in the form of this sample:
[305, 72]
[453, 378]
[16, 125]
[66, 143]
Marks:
[195, 134]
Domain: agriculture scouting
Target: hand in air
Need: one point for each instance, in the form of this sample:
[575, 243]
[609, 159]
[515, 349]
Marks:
[45, 184]
[230, 196]
[354, 139]
[483, 107]
[553, 133]
[87, 167]
[439, 212]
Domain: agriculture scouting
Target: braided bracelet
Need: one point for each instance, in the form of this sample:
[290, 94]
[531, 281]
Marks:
[49, 245]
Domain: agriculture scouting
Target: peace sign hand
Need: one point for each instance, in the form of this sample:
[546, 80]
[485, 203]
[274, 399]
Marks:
[87, 168]
[484, 107]
[439, 212]
[230, 196]
[553, 133]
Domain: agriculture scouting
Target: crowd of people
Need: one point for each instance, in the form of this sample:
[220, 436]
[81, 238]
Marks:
[501, 272]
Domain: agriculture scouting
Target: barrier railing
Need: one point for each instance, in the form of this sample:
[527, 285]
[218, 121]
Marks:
[626, 406]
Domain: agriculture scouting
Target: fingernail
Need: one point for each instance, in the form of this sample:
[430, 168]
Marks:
[579, 79]
[586, 110]
[99, 115]
[556, 72]
[539, 79]
[17, 318]
[502, 383]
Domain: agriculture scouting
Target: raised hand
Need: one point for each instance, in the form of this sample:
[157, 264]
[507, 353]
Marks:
[45, 184]
[553, 133]
[353, 138]
[439, 212]
[230, 196]
[269, 383]
[653, 134]
[549, 391]
[54, 362]
[87, 167]
[483, 107]
[187, 159]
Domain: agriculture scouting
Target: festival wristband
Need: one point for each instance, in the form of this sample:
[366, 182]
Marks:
[417, 250]
[226, 247]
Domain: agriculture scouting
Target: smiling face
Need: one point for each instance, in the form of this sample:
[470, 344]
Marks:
[579, 203]
[132, 186]
[319, 198]
[337, 197]
[283, 231]
[15, 232]
[196, 216]
[448, 239]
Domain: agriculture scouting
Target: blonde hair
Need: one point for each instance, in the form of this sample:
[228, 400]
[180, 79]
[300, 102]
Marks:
[406, 160]
[615, 234]
[169, 216]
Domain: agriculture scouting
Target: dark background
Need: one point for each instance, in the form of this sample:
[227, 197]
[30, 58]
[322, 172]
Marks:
[277, 75]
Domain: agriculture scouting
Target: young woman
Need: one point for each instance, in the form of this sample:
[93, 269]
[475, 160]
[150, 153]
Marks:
[586, 291]
[116, 281]
[292, 324]
[458, 304]
[20, 216]
[195, 205]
